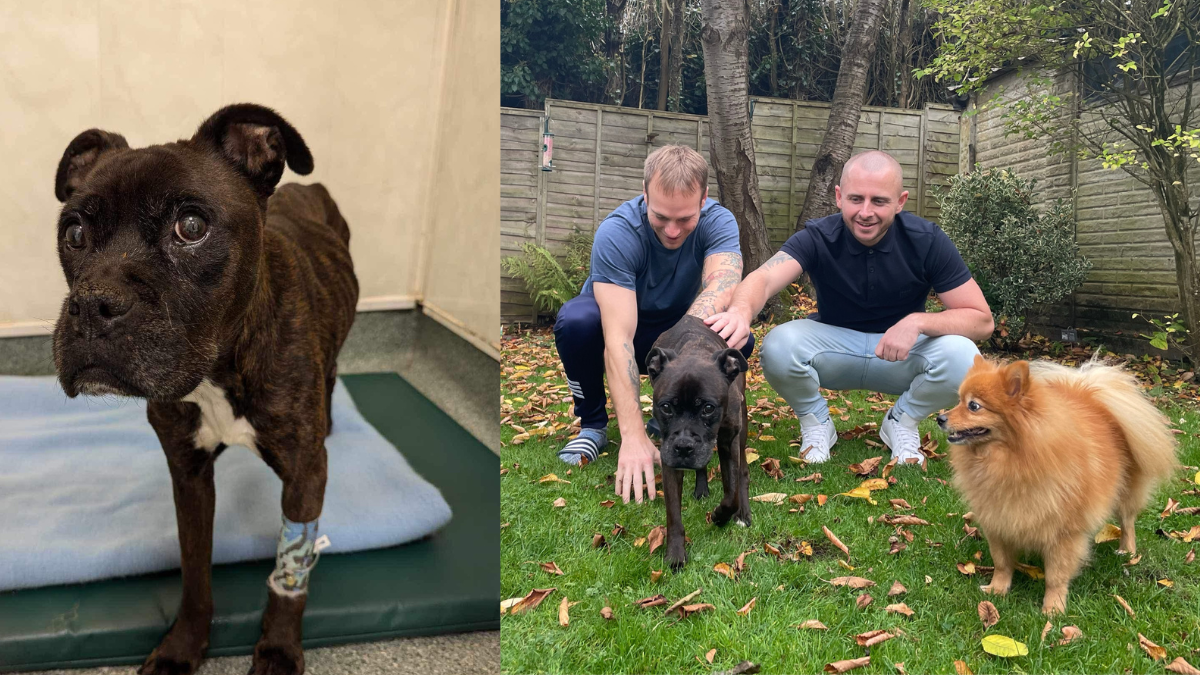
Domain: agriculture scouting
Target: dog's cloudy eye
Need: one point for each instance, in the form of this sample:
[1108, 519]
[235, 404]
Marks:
[708, 409]
[191, 228]
[973, 406]
[74, 236]
[665, 408]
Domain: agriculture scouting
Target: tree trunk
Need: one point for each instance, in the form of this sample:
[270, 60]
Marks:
[844, 111]
[664, 56]
[614, 52]
[1178, 217]
[678, 26]
[723, 36]
[772, 36]
[903, 69]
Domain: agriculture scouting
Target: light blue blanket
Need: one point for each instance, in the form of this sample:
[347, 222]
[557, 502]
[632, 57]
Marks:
[85, 493]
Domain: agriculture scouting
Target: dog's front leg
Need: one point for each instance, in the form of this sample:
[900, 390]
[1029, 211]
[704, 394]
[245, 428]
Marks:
[737, 457]
[676, 554]
[195, 498]
[729, 477]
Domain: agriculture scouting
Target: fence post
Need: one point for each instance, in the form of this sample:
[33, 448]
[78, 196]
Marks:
[924, 129]
[792, 179]
[596, 191]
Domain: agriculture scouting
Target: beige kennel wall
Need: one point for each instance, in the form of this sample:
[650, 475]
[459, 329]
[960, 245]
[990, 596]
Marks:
[367, 83]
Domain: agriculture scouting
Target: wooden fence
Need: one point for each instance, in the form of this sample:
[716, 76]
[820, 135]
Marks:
[599, 151]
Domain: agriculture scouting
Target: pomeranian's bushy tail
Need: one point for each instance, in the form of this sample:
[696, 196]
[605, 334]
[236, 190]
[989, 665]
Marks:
[1146, 430]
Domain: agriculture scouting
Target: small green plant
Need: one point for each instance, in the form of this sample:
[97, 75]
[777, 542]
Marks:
[1020, 257]
[551, 281]
[1169, 332]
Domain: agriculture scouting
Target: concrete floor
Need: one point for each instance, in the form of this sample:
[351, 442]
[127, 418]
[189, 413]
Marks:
[447, 370]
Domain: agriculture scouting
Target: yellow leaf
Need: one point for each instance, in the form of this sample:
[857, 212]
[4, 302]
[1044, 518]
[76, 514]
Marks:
[751, 457]
[859, 493]
[873, 484]
[960, 668]
[796, 460]
[1003, 646]
[1109, 532]
[1166, 582]
[551, 478]
[845, 564]
[1198, 478]
[1033, 571]
[766, 438]
[723, 568]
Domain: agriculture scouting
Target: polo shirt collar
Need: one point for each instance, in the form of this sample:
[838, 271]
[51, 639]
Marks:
[885, 245]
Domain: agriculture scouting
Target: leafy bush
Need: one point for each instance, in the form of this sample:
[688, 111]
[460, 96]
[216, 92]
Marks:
[1019, 257]
[549, 281]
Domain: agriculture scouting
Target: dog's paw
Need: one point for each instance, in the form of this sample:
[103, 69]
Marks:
[676, 559]
[165, 665]
[994, 589]
[277, 660]
[701, 491]
[1052, 605]
[179, 653]
[742, 518]
[722, 514]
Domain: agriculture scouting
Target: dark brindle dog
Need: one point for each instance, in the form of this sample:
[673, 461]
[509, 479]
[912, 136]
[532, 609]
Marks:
[193, 287]
[699, 401]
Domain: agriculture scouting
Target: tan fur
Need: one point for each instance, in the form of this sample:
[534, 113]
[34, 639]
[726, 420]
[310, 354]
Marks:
[1066, 449]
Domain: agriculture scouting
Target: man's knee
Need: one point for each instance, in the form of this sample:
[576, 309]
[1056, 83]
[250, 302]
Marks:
[784, 346]
[955, 356]
[578, 318]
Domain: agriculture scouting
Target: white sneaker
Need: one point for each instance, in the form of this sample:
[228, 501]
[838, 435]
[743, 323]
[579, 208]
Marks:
[900, 434]
[817, 438]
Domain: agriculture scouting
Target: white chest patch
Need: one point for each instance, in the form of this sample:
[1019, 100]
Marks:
[217, 423]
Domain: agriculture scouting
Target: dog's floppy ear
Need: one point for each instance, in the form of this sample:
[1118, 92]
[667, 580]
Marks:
[732, 363]
[81, 156]
[1016, 378]
[257, 141]
[657, 359]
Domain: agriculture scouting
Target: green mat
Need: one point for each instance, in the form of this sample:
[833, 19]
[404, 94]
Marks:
[449, 582]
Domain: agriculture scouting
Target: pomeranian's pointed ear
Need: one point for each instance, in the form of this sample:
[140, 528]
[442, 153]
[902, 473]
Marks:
[978, 360]
[1016, 377]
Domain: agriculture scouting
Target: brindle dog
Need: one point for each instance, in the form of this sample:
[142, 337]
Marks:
[195, 285]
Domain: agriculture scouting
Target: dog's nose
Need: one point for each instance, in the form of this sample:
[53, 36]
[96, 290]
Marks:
[941, 420]
[685, 445]
[98, 308]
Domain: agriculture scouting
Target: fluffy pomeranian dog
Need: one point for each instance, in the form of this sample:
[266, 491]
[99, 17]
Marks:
[1044, 454]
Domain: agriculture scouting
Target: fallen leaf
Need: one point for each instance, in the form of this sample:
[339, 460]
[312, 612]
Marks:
[1109, 532]
[745, 610]
[821, 499]
[559, 503]
[899, 504]
[598, 541]
[1157, 653]
[971, 531]
[1033, 571]
[1128, 609]
[900, 668]
[551, 478]
[928, 580]
[865, 467]
[618, 530]
[887, 468]
[606, 612]
[503, 471]
[899, 608]
[1189, 511]
[1070, 634]
[847, 665]
[563, 612]
[607, 503]
[530, 601]
[813, 624]
[988, 614]
[551, 567]
[709, 656]
[960, 667]
[1003, 646]
[897, 589]
[772, 550]
[771, 467]
[1045, 630]
[656, 537]
[874, 484]
[845, 565]
[804, 548]
[852, 582]
[740, 563]
[814, 477]
[639, 542]
[1133, 561]
[896, 545]
[506, 604]
[655, 575]
[723, 568]
[968, 568]
[1166, 582]
[770, 497]
[1191, 555]
[1171, 506]
[745, 667]
[797, 460]
[1180, 665]
[751, 457]
[683, 601]
[863, 600]
[688, 610]
[800, 499]
[835, 541]
[902, 519]
[761, 437]
[652, 601]
[859, 493]
[872, 638]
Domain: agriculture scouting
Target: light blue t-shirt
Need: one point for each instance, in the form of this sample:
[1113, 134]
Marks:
[627, 253]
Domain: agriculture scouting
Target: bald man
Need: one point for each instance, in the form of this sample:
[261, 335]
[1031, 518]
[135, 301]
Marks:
[873, 266]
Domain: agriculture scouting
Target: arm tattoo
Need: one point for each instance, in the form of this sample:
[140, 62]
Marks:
[776, 260]
[717, 283]
[631, 365]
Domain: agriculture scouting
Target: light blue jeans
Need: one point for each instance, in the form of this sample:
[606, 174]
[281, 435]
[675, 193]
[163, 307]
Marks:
[800, 357]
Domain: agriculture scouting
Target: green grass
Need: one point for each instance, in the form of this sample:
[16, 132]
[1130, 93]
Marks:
[944, 628]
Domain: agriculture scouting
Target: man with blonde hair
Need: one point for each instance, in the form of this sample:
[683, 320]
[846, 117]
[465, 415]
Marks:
[873, 266]
[668, 252]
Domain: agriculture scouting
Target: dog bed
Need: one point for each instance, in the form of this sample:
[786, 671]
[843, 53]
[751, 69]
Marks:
[443, 583]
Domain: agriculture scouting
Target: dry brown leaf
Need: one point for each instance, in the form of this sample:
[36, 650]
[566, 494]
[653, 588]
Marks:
[1189, 511]
[503, 471]
[1171, 506]
[656, 537]
[740, 563]
[770, 497]
[814, 477]
[687, 610]
[683, 601]
[988, 614]
[532, 600]
[710, 655]
[771, 467]
[872, 638]
[852, 582]
[1109, 532]
[652, 601]
[564, 617]
[899, 504]
[902, 519]
[551, 567]
[559, 503]
[863, 600]
[972, 532]
[887, 468]
[655, 575]
[813, 624]
[865, 467]
[1070, 634]
[598, 541]
[506, 604]
[899, 608]
[1128, 609]
[967, 569]
[1191, 555]
[834, 540]
[607, 503]
[928, 580]
[743, 668]
[748, 606]
[896, 589]
[606, 612]
[1133, 561]
[960, 667]
[1045, 630]
[1154, 651]
[821, 499]
[896, 545]
[772, 550]
[1033, 571]
[1180, 665]
[723, 568]
[847, 665]
[618, 530]
[800, 499]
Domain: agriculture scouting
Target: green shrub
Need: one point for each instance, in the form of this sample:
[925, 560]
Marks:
[552, 282]
[1019, 257]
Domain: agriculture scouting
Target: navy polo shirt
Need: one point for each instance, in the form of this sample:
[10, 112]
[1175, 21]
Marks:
[871, 289]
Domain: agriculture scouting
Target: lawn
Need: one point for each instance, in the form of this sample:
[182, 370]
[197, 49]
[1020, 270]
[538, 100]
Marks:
[791, 587]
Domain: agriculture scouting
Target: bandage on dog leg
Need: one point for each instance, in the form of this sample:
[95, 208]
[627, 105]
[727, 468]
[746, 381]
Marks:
[296, 555]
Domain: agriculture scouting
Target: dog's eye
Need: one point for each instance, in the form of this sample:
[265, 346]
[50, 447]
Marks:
[74, 236]
[665, 408]
[708, 409]
[191, 228]
[973, 406]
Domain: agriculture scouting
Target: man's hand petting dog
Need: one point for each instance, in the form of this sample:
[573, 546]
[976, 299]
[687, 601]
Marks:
[732, 326]
[636, 460]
